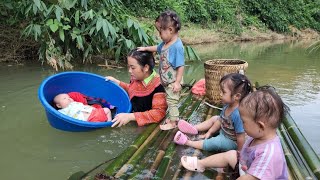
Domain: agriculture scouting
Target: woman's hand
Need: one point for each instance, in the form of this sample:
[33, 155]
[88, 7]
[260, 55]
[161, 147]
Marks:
[176, 87]
[112, 79]
[122, 119]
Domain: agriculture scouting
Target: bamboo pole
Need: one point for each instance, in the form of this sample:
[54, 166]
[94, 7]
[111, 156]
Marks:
[125, 155]
[162, 169]
[139, 153]
[291, 162]
[302, 144]
[301, 162]
[163, 147]
[196, 152]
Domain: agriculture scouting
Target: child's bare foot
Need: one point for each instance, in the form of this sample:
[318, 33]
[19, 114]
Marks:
[169, 125]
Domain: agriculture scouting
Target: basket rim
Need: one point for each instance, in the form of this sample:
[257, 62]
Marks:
[217, 60]
[240, 62]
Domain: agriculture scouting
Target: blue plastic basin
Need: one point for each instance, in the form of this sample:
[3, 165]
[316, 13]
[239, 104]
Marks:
[85, 83]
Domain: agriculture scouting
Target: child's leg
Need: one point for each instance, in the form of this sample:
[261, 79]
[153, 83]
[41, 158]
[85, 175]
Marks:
[108, 113]
[195, 144]
[219, 160]
[172, 101]
[205, 125]
[219, 143]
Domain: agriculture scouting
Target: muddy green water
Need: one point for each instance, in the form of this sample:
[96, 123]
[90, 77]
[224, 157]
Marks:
[31, 149]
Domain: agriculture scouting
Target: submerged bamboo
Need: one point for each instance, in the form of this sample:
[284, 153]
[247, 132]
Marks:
[302, 144]
[301, 162]
[139, 153]
[291, 162]
[162, 169]
[125, 155]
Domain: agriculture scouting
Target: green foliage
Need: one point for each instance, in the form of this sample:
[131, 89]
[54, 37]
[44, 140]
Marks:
[196, 11]
[279, 15]
[71, 29]
[151, 9]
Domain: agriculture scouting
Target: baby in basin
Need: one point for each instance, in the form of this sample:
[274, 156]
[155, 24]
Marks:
[80, 111]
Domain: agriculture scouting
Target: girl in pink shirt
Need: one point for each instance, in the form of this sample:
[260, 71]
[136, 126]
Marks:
[262, 156]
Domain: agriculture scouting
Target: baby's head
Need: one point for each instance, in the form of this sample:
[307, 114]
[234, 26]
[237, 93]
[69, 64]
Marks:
[62, 100]
[262, 109]
[237, 84]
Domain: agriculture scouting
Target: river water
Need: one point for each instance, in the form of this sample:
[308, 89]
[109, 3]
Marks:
[32, 149]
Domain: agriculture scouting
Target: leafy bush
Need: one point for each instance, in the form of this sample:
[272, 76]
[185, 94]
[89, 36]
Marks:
[71, 29]
[279, 15]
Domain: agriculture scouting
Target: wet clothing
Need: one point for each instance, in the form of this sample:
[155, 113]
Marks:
[148, 100]
[264, 161]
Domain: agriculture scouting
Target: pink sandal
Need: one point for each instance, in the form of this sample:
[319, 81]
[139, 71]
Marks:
[180, 138]
[191, 163]
[186, 127]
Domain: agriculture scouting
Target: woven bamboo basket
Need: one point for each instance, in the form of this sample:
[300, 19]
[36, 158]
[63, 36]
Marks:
[214, 70]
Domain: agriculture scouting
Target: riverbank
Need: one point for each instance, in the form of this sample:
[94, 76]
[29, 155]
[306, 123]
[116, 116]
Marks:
[195, 34]
[14, 48]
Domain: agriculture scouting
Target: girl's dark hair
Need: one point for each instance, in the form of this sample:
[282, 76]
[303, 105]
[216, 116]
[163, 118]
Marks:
[265, 104]
[143, 58]
[239, 83]
[169, 18]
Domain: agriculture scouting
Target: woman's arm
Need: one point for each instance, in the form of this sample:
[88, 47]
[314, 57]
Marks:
[154, 115]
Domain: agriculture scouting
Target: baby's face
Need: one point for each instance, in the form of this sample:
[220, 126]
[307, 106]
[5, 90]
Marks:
[62, 100]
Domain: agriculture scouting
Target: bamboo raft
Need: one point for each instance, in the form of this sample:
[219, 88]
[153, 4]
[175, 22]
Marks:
[153, 155]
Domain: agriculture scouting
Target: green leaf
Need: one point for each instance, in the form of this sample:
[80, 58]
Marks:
[37, 31]
[111, 29]
[66, 27]
[76, 18]
[84, 4]
[128, 43]
[61, 34]
[79, 42]
[136, 25]
[129, 23]
[73, 36]
[35, 9]
[49, 22]
[91, 31]
[89, 49]
[28, 9]
[59, 12]
[91, 14]
[69, 3]
[44, 6]
[140, 34]
[99, 24]
[104, 12]
[37, 3]
[54, 27]
[105, 28]
[117, 54]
